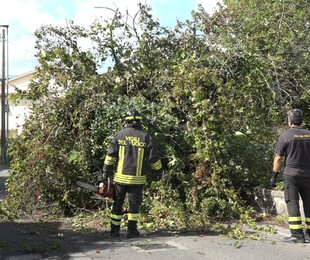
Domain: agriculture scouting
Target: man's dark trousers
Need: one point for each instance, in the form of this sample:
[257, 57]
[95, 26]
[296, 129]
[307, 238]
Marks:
[293, 187]
[135, 195]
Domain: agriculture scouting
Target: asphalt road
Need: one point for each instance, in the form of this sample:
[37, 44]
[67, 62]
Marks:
[190, 246]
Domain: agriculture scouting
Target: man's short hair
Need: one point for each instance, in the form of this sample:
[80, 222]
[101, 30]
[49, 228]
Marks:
[296, 116]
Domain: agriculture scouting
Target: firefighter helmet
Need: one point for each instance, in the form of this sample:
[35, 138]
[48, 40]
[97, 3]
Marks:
[133, 115]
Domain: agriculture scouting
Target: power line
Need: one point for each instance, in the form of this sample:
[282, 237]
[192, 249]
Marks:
[21, 47]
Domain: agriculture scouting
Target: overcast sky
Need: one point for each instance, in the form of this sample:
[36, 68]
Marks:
[25, 16]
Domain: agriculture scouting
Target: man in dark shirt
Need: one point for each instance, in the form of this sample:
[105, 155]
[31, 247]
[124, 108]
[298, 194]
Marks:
[294, 146]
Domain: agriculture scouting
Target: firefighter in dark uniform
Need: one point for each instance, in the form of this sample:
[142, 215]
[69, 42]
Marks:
[131, 149]
[294, 146]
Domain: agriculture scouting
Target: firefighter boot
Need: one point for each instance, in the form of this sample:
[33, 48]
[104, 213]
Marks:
[132, 230]
[114, 232]
[307, 236]
[294, 240]
[297, 236]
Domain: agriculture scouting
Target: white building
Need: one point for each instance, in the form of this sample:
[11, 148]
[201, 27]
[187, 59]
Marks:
[18, 111]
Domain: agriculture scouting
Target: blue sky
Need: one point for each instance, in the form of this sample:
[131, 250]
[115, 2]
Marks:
[169, 11]
[25, 16]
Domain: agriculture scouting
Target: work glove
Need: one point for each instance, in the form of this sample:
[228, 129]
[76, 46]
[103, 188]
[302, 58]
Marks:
[102, 177]
[105, 175]
[273, 179]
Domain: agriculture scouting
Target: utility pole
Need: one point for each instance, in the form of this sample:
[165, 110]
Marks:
[3, 103]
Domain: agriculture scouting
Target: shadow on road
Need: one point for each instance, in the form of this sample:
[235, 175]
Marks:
[48, 238]
[53, 239]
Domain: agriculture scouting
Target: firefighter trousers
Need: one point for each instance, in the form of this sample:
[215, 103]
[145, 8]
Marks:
[294, 188]
[135, 195]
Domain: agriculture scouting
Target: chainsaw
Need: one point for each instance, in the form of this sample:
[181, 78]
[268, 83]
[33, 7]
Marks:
[105, 188]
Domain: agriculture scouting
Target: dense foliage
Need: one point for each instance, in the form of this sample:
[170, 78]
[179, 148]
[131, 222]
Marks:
[213, 92]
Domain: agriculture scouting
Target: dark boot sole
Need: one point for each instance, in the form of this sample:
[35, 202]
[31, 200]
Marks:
[294, 240]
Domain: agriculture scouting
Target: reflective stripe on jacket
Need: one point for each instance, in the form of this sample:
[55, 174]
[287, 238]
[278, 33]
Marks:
[132, 149]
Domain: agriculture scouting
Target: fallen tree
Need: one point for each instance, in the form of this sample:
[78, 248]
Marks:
[213, 92]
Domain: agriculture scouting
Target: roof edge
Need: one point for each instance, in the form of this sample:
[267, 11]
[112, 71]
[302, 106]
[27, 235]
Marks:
[22, 75]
